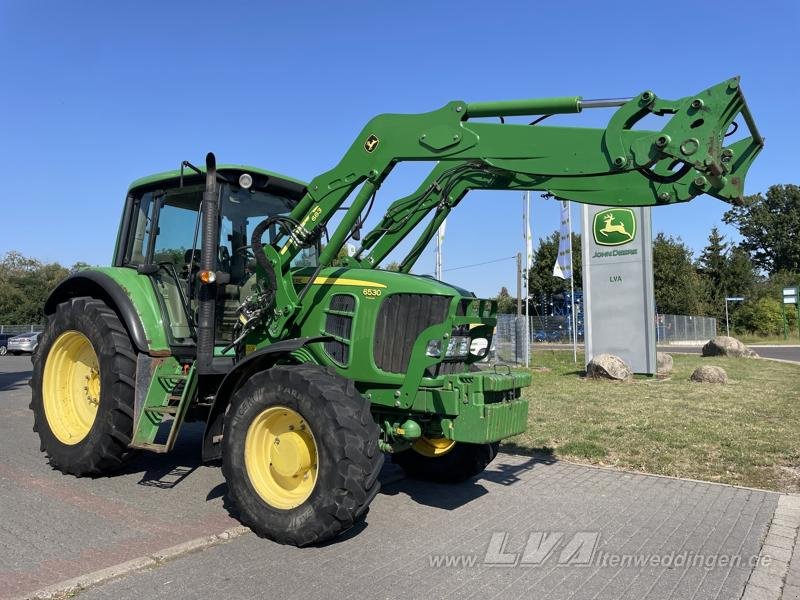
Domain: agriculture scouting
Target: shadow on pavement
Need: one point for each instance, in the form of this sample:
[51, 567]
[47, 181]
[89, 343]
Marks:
[437, 495]
[13, 381]
[168, 470]
[508, 474]
[452, 496]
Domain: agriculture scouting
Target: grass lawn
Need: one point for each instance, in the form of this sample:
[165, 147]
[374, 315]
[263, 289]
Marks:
[744, 433]
[773, 339]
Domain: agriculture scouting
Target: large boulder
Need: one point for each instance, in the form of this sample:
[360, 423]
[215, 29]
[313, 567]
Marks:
[608, 366]
[663, 363]
[724, 345]
[709, 374]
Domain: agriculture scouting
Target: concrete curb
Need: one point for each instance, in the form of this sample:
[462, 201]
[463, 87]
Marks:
[149, 561]
[769, 575]
[632, 472]
[82, 582]
[780, 360]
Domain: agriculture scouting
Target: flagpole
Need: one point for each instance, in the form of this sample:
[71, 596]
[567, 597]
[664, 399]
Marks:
[572, 289]
[527, 276]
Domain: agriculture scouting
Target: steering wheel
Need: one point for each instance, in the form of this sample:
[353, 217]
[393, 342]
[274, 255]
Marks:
[246, 252]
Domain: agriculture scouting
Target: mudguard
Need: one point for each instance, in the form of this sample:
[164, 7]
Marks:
[257, 361]
[131, 295]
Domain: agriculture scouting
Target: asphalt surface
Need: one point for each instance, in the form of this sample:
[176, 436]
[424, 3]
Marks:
[791, 353]
[533, 528]
[788, 352]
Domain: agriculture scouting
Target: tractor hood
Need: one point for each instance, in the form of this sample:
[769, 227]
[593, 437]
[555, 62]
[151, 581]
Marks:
[377, 282]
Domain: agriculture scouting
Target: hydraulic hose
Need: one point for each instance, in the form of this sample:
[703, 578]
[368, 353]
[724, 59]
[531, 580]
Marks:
[258, 250]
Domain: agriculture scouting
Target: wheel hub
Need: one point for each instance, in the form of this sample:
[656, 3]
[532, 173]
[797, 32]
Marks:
[71, 387]
[280, 457]
[290, 455]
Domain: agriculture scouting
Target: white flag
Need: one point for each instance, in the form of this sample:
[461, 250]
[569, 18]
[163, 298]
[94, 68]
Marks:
[442, 227]
[529, 245]
[563, 266]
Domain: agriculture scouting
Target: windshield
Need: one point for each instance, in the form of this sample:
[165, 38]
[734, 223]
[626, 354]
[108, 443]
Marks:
[176, 213]
[241, 211]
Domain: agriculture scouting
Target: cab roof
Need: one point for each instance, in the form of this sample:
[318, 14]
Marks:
[190, 173]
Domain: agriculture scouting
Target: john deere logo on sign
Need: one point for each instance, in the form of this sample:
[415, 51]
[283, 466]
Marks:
[371, 143]
[614, 226]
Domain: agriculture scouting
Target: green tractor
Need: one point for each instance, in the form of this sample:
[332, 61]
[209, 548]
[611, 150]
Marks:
[229, 302]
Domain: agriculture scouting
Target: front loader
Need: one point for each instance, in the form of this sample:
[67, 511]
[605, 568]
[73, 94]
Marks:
[228, 302]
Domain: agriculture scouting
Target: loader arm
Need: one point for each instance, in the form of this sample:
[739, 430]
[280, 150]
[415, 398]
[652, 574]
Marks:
[615, 166]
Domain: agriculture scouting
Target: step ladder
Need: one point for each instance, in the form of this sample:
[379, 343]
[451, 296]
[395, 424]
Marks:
[163, 388]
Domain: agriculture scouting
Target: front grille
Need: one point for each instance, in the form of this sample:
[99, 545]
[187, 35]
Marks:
[343, 302]
[341, 326]
[338, 351]
[401, 318]
[448, 367]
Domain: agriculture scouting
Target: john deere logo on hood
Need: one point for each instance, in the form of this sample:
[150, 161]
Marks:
[614, 226]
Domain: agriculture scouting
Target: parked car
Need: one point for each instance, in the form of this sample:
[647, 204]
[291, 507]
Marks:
[25, 343]
[540, 335]
[4, 337]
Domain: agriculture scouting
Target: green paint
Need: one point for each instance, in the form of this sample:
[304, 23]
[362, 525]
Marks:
[139, 289]
[615, 166]
[170, 178]
[170, 392]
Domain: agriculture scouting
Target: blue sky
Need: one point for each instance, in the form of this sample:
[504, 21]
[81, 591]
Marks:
[97, 94]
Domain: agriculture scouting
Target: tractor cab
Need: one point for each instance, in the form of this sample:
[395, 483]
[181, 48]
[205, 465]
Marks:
[161, 237]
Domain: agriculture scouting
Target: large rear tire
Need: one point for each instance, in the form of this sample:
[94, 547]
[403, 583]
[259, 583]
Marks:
[445, 461]
[83, 386]
[300, 454]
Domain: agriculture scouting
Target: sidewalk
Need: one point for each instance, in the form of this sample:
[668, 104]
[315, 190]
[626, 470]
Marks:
[526, 528]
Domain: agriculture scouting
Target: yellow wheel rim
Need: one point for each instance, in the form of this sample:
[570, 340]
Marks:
[280, 456]
[432, 447]
[71, 387]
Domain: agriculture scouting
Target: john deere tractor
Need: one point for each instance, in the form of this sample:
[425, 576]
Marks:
[229, 301]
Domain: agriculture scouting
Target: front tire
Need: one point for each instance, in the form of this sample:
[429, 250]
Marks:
[3, 350]
[445, 461]
[300, 454]
[83, 387]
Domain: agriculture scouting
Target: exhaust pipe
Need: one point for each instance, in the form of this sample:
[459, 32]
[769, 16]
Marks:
[208, 255]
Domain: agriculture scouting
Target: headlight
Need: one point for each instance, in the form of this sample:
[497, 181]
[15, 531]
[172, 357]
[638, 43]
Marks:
[478, 347]
[434, 349]
[457, 346]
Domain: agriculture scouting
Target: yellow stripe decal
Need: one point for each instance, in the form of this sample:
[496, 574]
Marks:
[339, 281]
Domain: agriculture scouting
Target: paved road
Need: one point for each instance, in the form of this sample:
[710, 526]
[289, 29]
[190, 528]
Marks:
[791, 352]
[610, 534]
[780, 352]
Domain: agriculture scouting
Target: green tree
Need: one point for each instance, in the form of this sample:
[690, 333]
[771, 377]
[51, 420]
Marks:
[762, 316]
[726, 270]
[541, 281]
[506, 304]
[769, 226]
[24, 286]
[678, 287]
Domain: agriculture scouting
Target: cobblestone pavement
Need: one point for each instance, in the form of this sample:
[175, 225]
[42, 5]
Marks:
[528, 528]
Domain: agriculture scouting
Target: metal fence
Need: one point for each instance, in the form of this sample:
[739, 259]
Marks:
[672, 329]
[17, 329]
[509, 339]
